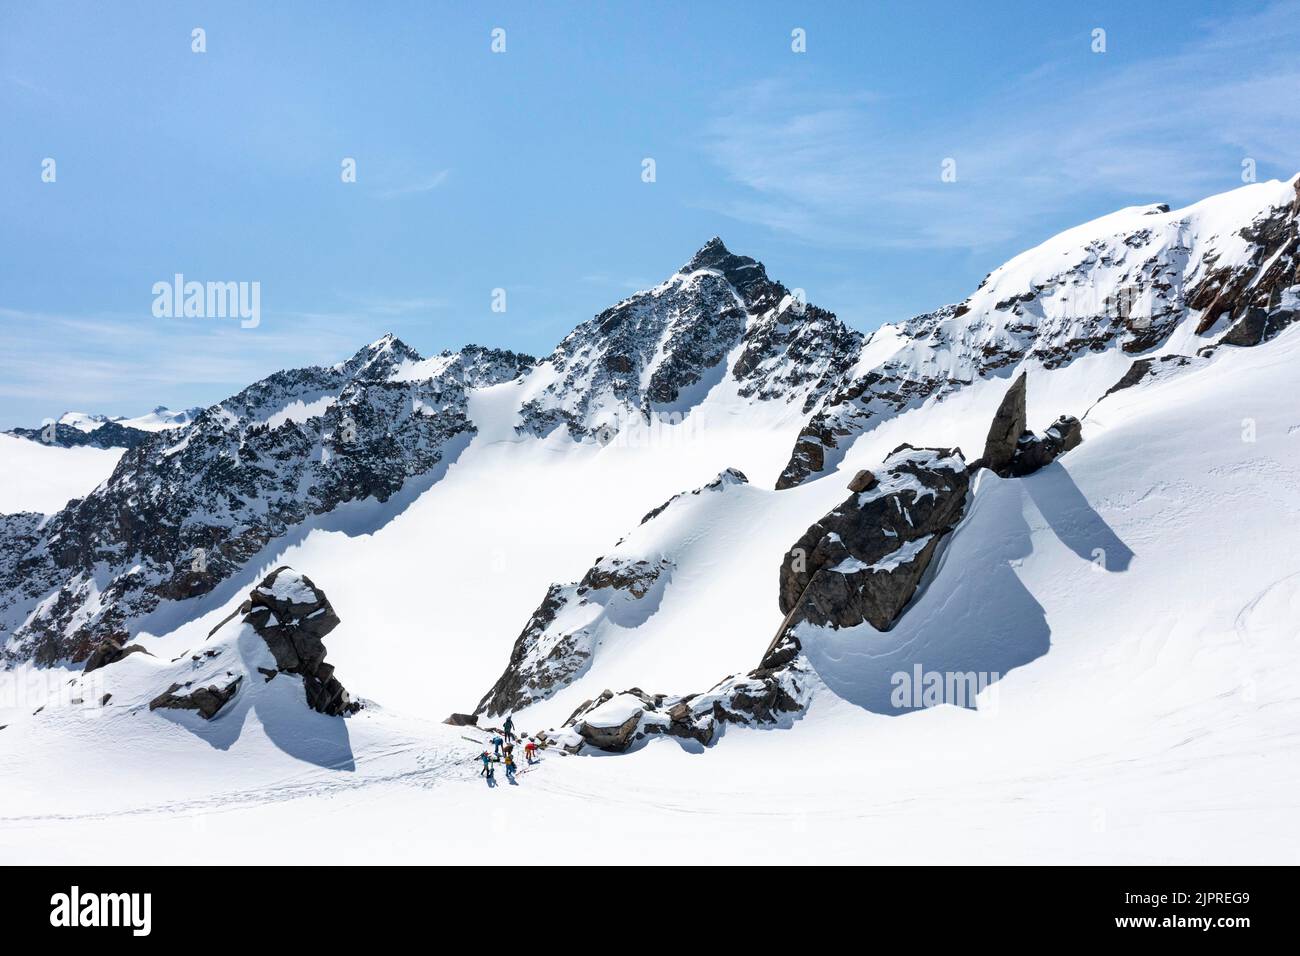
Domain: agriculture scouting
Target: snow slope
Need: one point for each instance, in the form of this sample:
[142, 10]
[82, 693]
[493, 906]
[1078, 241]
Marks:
[1147, 711]
[1129, 613]
[160, 419]
[43, 478]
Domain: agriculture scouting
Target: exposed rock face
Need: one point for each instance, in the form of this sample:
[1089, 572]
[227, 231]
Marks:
[1012, 450]
[110, 652]
[1258, 325]
[1232, 290]
[1127, 287]
[655, 351]
[292, 615]
[1149, 368]
[462, 720]
[728, 477]
[863, 481]
[862, 562]
[771, 694]
[1033, 453]
[1009, 423]
[208, 701]
[188, 507]
[108, 435]
[556, 645]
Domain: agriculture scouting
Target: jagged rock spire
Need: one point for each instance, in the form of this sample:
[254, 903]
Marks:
[746, 274]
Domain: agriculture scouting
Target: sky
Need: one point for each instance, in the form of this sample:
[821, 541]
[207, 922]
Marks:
[524, 170]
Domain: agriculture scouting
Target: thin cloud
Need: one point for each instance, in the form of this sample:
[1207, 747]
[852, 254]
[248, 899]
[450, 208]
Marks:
[828, 170]
[416, 188]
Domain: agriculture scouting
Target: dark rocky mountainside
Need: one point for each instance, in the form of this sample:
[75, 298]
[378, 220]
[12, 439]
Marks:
[108, 435]
[186, 509]
[659, 351]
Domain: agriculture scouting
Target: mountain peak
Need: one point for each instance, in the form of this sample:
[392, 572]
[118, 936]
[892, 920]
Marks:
[383, 353]
[709, 255]
[744, 273]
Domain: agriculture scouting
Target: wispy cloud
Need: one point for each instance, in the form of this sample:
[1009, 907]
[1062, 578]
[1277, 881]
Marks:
[428, 184]
[831, 169]
[104, 363]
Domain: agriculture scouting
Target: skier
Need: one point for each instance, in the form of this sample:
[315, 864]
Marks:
[496, 742]
[510, 768]
[487, 764]
[530, 751]
[509, 727]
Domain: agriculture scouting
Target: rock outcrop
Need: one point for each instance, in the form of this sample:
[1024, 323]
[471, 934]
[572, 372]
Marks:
[110, 652]
[1034, 452]
[863, 561]
[1009, 424]
[1012, 450]
[1258, 325]
[860, 563]
[208, 701]
[556, 645]
[292, 616]
[772, 694]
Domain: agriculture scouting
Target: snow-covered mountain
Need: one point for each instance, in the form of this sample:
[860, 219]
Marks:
[77, 429]
[1138, 281]
[717, 325]
[159, 419]
[188, 507]
[1034, 548]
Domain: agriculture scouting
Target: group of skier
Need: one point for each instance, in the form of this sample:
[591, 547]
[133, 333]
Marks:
[504, 747]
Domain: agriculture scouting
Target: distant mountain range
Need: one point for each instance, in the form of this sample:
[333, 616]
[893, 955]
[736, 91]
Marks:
[77, 429]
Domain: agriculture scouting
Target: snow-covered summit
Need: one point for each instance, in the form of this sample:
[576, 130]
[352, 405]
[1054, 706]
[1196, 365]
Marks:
[718, 323]
[1145, 280]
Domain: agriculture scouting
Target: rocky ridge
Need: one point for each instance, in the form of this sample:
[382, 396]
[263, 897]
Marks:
[1230, 264]
[187, 508]
[718, 317]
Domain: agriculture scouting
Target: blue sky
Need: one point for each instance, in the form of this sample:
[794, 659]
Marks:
[522, 170]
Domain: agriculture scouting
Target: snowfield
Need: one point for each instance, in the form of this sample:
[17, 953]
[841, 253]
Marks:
[1147, 708]
[1101, 664]
[43, 478]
